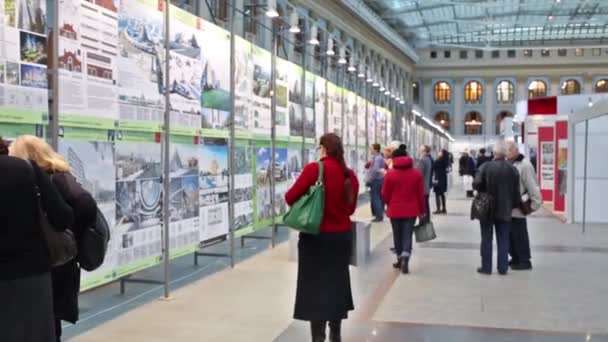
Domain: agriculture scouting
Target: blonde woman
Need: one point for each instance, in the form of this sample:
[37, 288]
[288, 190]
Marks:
[26, 297]
[66, 278]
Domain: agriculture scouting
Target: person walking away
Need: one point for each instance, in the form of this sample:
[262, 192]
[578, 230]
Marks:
[323, 290]
[500, 180]
[425, 165]
[65, 278]
[403, 192]
[519, 240]
[375, 178]
[440, 185]
[482, 158]
[26, 293]
[467, 172]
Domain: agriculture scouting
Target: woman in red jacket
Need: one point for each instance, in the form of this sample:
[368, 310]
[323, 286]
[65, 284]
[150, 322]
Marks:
[403, 192]
[323, 290]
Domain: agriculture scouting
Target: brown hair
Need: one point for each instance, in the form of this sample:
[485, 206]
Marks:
[376, 147]
[334, 149]
[3, 147]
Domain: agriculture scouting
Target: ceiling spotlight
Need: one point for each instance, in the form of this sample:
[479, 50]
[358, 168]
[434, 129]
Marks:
[294, 21]
[369, 80]
[330, 47]
[376, 85]
[313, 36]
[402, 102]
[550, 17]
[342, 59]
[387, 93]
[382, 89]
[271, 11]
[352, 68]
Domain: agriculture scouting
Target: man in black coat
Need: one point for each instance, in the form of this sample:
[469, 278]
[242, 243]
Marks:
[500, 180]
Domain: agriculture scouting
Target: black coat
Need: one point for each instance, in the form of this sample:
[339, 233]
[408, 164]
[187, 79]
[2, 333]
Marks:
[501, 180]
[323, 291]
[66, 278]
[440, 170]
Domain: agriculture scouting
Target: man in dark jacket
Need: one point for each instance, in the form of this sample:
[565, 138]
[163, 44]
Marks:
[482, 158]
[500, 180]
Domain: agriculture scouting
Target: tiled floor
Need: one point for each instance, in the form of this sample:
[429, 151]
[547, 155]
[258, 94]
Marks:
[565, 297]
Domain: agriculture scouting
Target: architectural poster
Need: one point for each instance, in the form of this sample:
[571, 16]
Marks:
[547, 170]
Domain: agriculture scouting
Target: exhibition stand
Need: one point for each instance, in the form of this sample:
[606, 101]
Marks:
[546, 140]
[185, 133]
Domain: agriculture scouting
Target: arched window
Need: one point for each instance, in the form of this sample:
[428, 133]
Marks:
[443, 92]
[443, 119]
[473, 92]
[537, 88]
[601, 86]
[499, 118]
[571, 87]
[473, 123]
[505, 92]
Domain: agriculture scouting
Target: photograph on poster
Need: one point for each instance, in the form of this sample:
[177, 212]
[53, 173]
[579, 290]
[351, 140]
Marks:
[10, 12]
[33, 48]
[184, 182]
[309, 124]
[295, 120]
[548, 153]
[13, 73]
[309, 100]
[294, 164]
[138, 185]
[265, 171]
[32, 14]
[92, 164]
[295, 85]
[2, 72]
[33, 76]
[261, 81]
[186, 70]
[214, 163]
[562, 163]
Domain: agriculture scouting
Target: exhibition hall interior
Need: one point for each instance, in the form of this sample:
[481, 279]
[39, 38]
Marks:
[194, 123]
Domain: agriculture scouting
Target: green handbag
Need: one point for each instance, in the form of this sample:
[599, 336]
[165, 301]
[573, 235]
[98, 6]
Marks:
[307, 213]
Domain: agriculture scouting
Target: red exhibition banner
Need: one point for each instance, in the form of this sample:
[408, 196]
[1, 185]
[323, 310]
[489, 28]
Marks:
[561, 165]
[546, 162]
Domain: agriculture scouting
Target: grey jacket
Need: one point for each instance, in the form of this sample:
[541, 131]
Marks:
[501, 180]
[527, 184]
[425, 165]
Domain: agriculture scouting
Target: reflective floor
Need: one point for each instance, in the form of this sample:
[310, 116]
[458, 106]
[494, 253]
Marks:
[564, 298]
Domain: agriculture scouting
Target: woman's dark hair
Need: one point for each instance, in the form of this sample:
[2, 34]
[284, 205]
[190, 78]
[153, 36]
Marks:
[3, 147]
[376, 147]
[334, 149]
[400, 152]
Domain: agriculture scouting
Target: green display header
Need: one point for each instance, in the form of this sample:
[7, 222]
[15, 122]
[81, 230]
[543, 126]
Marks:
[20, 116]
[86, 121]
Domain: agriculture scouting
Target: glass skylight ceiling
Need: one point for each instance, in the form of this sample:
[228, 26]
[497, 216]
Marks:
[496, 23]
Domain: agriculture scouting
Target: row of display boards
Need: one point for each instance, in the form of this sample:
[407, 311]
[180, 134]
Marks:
[111, 105]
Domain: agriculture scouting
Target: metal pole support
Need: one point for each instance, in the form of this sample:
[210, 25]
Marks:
[166, 158]
[231, 196]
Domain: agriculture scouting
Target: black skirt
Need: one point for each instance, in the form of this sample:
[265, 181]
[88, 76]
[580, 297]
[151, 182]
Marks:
[323, 290]
[26, 312]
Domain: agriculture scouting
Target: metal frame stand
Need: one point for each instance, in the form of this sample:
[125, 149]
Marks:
[130, 279]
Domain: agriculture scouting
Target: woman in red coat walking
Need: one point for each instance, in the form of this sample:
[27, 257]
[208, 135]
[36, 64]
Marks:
[403, 192]
[323, 291]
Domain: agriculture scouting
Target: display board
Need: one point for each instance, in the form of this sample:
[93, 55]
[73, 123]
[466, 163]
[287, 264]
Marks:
[112, 60]
[23, 67]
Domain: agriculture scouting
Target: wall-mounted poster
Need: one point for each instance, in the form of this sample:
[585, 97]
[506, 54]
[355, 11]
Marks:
[261, 91]
[264, 172]
[309, 104]
[562, 165]
[184, 205]
[361, 122]
[136, 241]
[140, 61]
[350, 117]
[282, 182]
[334, 112]
[372, 123]
[243, 185]
[186, 76]
[243, 82]
[296, 101]
[547, 169]
[287, 116]
[88, 58]
[320, 98]
[215, 80]
[214, 180]
[92, 164]
[23, 60]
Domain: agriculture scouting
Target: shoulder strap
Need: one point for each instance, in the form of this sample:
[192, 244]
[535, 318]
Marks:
[320, 179]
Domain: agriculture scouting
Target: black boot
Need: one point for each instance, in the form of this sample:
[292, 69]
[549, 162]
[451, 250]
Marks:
[397, 265]
[405, 265]
[335, 331]
[444, 211]
[317, 328]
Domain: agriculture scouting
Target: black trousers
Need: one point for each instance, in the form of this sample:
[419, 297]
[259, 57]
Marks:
[519, 241]
[440, 201]
[318, 328]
